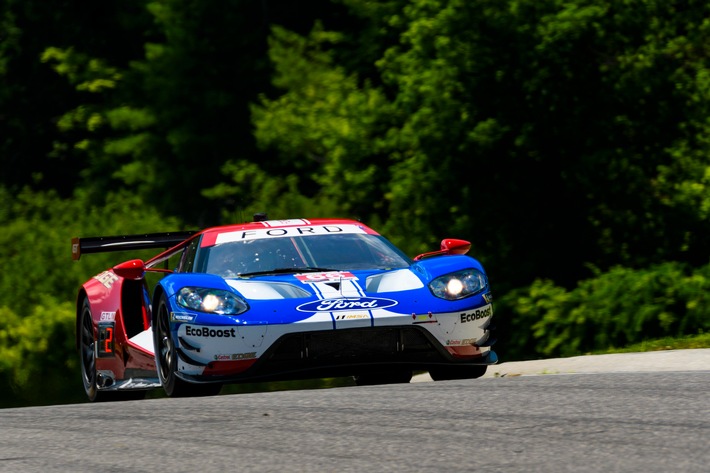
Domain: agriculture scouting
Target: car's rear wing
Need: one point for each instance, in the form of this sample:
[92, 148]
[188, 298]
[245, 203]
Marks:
[81, 246]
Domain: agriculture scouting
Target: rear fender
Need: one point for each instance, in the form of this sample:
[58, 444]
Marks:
[122, 302]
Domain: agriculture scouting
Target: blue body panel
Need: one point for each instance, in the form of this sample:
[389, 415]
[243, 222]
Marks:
[284, 311]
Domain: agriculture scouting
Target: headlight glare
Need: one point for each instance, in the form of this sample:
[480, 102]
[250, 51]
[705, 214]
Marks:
[214, 301]
[454, 287]
[458, 285]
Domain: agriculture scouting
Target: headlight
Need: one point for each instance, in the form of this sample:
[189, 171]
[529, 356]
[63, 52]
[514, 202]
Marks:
[214, 301]
[458, 285]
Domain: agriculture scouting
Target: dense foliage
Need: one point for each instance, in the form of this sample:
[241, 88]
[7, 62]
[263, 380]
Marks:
[618, 308]
[567, 139]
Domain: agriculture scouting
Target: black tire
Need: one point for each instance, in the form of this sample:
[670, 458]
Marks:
[384, 377]
[87, 355]
[166, 359]
[445, 373]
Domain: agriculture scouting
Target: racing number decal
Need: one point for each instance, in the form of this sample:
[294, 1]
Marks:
[105, 344]
[108, 341]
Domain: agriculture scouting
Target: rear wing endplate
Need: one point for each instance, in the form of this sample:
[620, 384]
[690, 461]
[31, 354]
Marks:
[86, 245]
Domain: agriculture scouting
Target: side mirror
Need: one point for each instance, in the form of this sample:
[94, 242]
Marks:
[452, 246]
[449, 246]
[133, 269]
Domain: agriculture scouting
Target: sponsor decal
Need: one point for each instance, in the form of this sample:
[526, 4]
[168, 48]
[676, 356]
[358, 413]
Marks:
[107, 278]
[235, 356]
[327, 276]
[210, 332]
[350, 304]
[465, 341]
[286, 232]
[178, 317]
[138, 384]
[488, 297]
[352, 316]
[424, 318]
[107, 317]
[477, 314]
[244, 356]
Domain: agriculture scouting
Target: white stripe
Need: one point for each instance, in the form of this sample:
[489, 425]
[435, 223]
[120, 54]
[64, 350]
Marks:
[287, 232]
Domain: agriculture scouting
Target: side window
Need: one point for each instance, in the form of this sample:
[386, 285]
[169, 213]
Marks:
[187, 261]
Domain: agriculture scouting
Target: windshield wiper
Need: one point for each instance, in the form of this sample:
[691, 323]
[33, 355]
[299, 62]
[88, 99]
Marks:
[302, 269]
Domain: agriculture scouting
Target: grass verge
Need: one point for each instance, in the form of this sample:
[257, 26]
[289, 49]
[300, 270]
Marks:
[668, 343]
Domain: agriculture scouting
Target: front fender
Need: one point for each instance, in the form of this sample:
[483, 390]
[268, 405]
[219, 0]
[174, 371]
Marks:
[170, 285]
[431, 268]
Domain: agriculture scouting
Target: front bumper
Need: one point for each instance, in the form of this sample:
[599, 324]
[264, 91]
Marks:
[335, 353]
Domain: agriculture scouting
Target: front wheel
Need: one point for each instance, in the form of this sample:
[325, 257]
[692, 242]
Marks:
[444, 373]
[166, 359]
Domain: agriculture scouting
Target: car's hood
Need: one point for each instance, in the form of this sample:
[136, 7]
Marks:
[327, 285]
[289, 298]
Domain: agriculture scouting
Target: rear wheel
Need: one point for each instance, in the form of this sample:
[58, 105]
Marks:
[443, 373]
[383, 377]
[87, 355]
[166, 359]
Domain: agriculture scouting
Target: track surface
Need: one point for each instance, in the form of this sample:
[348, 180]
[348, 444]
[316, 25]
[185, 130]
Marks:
[630, 422]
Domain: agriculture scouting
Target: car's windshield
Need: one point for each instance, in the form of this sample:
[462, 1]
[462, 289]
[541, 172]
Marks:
[319, 252]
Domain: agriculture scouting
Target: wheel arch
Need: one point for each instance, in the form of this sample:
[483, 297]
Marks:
[158, 292]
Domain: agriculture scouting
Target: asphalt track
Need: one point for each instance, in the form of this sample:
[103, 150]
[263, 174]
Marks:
[597, 420]
[647, 362]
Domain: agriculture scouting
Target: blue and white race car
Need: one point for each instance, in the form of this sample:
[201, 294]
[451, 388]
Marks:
[277, 300]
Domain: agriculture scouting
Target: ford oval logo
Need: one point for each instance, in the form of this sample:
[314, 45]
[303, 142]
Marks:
[336, 305]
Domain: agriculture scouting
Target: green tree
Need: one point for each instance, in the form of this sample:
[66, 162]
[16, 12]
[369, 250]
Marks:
[164, 123]
[38, 363]
[35, 244]
[617, 308]
[33, 97]
[336, 157]
[552, 134]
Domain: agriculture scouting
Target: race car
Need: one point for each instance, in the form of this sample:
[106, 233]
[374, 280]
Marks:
[278, 300]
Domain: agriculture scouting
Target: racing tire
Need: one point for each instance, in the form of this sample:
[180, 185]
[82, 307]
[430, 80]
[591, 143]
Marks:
[446, 373]
[166, 359]
[87, 355]
[385, 377]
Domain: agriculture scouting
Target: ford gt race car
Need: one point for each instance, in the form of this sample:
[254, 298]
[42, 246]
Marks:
[278, 300]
